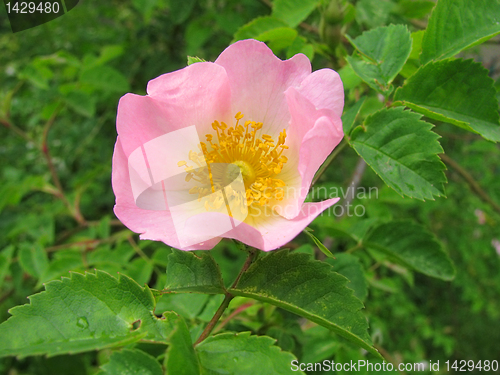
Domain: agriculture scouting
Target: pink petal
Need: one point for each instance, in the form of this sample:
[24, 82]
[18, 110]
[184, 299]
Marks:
[153, 225]
[274, 231]
[315, 133]
[196, 95]
[258, 81]
[317, 144]
[324, 89]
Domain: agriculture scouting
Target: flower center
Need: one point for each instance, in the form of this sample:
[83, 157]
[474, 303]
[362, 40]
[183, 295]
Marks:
[258, 158]
[246, 170]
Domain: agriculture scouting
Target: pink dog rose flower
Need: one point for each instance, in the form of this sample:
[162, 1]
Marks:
[226, 149]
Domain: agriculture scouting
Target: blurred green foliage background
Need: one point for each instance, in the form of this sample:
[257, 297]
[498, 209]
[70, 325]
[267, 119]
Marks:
[59, 87]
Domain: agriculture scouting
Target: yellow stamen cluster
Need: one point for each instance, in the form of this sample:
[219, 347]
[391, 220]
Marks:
[259, 159]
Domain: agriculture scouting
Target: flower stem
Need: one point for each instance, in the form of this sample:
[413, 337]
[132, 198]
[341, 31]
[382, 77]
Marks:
[211, 325]
[252, 253]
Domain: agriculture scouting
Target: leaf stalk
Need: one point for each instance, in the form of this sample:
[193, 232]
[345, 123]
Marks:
[252, 254]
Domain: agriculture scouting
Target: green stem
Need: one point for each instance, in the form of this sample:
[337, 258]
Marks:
[252, 253]
[15, 129]
[328, 161]
[211, 325]
[354, 248]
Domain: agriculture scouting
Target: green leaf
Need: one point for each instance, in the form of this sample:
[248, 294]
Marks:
[378, 44]
[146, 7]
[61, 267]
[104, 228]
[416, 46]
[457, 24]
[140, 270]
[198, 32]
[413, 62]
[240, 353]
[37, 73]
[293, 12]
[131, 362]
[188, 272]
[278, 38]
[300, 45]
[82, 313]
[111, 52]
[413, 246]
[318, 344]
[347, 229]
[349, 266]
[160, 256]
[81, 102]
[181, 358]
[33, 259]
[416, 8]
[385, 51]
[5, 259]
[268, 29]
[402, 150]
[368, 72]
[189, 305]
[257, 27]
[455, 91]
[307, 288]
[194, 59]
[180, 10]
[105, 78]
[350, 115]
[210, 308]
[306, 249]
[373, 13]
[349, 78]
[318, 243]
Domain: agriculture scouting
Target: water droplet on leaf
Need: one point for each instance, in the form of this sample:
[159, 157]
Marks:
[82, 322]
